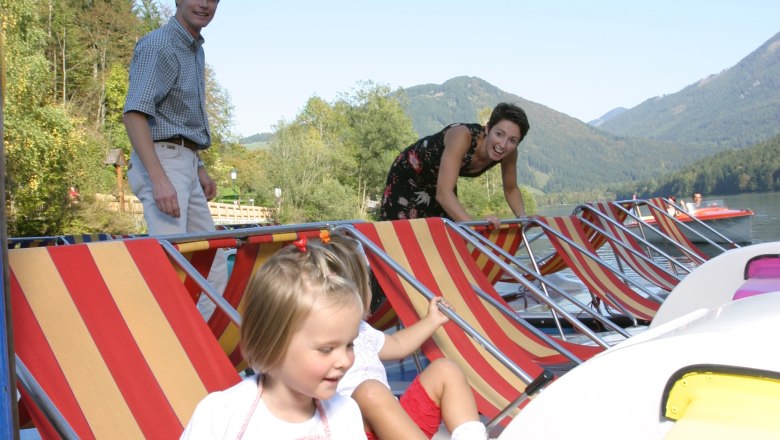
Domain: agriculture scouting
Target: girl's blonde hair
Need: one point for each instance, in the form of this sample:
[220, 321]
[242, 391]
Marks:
[353, 264]
[281, 294]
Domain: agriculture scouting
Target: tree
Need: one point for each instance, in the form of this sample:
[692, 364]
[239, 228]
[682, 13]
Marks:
[219, 108]
[379, 129]
[86, 39]
[151, 15]
[40, 138]
[301, 166]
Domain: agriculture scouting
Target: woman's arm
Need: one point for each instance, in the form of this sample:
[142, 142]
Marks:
[511, 191]
[457, 141]
[404, 342]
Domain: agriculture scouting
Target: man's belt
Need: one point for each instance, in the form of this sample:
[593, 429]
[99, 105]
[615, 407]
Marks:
[183, 141]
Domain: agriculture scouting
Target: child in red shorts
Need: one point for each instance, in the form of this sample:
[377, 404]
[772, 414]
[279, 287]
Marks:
[440, 393]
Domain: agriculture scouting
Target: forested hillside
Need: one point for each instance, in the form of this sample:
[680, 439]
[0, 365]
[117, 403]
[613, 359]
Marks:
[561, 153]
[735, 108]
[753, 169]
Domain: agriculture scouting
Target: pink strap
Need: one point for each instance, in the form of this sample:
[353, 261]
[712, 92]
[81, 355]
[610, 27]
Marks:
[249, 415]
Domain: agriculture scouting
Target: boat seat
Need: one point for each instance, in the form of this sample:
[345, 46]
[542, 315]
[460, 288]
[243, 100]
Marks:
[762, 275]
[763, 266]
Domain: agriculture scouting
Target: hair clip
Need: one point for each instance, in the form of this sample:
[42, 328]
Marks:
[300, 244]
[325, 236]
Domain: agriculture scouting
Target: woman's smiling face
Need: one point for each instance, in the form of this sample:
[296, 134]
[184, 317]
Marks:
[502, 139]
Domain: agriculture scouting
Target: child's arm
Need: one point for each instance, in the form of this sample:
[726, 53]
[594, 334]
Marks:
[404, 342]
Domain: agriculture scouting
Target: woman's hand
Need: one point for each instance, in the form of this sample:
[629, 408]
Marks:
[494, 221]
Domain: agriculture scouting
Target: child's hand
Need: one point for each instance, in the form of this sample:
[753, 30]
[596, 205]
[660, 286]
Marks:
[435, 314]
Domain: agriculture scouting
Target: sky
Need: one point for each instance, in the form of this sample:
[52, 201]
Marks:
[582, 58]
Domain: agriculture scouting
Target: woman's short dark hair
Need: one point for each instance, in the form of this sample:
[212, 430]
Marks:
[512, 113]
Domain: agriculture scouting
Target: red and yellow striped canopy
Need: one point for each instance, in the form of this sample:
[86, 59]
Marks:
[114, 339]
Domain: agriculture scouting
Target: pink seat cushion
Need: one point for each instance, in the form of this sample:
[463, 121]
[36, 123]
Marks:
[762, 275]
[767, 267]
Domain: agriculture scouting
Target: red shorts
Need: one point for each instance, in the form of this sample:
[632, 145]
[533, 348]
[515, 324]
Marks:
[421, 409]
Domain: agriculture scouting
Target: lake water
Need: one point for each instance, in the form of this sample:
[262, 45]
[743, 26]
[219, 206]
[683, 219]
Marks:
[766, 223]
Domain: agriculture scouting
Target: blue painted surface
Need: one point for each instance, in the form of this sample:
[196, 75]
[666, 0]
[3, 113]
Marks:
[7, 395]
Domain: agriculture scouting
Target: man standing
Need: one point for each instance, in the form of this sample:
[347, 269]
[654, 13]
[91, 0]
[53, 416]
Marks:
[166, 121]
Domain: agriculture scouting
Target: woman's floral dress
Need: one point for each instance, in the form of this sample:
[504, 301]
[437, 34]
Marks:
[410, 191]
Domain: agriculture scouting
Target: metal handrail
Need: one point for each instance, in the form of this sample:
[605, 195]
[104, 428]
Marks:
[641, 223]
[511, 314]
[201, 281]
[622, 227]
[488, 248]
[595, 258]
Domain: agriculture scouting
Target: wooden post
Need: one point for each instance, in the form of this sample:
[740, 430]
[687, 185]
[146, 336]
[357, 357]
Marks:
[120, 187]
[117, 158]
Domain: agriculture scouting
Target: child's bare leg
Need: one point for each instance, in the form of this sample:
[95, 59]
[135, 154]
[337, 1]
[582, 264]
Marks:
[446, 384]
[383, 414]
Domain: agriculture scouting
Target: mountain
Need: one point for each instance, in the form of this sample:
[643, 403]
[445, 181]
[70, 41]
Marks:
[560, 153]
[735, 108]
[257, 140]
[607, 116]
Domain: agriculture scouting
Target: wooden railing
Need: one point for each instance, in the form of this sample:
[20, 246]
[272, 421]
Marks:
[222, 213]
[227, 213]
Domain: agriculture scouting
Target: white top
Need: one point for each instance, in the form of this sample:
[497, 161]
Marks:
[367, 364]
[221, 415]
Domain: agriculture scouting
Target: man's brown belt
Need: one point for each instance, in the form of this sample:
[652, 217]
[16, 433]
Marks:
[183, 141]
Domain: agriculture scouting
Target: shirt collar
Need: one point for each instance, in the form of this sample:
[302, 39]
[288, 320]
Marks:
[186, 37]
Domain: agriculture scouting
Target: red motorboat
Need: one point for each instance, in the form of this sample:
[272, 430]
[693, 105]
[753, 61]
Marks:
[736, 224]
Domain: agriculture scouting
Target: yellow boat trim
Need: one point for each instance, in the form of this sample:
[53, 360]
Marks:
[724, 405]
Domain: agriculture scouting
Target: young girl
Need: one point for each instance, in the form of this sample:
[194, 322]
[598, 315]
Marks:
[297, 331]
[440, 393]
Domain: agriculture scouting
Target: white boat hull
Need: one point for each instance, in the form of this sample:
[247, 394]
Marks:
[619, 394]
[738, 228]
[698, 325]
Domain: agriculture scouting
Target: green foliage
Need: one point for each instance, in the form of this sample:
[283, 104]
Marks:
[39, 145]
[484, 195]
[529, 201]
[150, 14]
[329, 200]
[379, 129]
[297, 163]
[93, 216]
[219, 109]
[252, 180]
[331, 158]
[39, 138]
